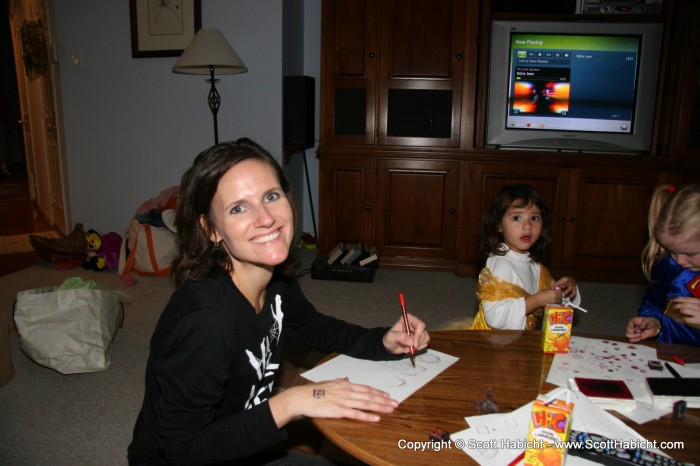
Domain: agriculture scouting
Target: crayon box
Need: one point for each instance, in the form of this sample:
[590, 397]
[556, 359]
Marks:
[550, 423]
[556, 328]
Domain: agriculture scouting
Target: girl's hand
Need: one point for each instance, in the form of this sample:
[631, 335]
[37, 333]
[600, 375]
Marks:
[337, 398]
[689, 307]
[541, 299]
[641, 328]
[567, 285]
[397, 341]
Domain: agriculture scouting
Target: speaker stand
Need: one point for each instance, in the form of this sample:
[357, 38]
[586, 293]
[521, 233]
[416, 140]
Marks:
[290, 150]
[311, 199]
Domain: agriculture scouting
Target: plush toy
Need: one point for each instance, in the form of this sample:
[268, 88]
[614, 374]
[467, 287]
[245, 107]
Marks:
[103, 250]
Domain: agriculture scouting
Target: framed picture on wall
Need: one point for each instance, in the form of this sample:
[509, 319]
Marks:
[163, 28]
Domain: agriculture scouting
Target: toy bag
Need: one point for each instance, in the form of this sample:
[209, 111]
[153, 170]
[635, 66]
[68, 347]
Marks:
[69, 328]
[151, 243]
[148, 250]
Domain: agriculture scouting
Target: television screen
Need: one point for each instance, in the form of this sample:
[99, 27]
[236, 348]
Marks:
[578, 86]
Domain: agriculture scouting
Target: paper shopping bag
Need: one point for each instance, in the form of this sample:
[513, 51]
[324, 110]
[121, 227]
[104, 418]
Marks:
[69, 330]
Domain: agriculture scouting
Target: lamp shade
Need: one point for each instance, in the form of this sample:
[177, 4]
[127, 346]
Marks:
[209, 48]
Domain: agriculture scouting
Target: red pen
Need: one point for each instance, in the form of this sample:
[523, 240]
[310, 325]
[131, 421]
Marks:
[678, 359]
[517, 459]
[408, 327]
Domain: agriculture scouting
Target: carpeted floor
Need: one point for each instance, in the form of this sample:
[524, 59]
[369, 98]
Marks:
[51, 419]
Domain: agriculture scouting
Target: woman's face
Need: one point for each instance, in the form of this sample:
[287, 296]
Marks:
[252, 215]
[684, 249]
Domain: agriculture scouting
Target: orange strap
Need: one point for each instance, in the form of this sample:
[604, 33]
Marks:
[129, 265]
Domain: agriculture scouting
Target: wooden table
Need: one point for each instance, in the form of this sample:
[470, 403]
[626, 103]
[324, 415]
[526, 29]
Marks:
[514, 366]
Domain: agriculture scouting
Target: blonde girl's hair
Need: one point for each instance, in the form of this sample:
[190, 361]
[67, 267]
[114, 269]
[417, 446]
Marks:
[673, 212]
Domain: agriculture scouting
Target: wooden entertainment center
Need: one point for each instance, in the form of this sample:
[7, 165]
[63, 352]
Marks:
[403, 160]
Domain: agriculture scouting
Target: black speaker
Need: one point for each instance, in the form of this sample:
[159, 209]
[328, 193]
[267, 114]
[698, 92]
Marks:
[298, 111]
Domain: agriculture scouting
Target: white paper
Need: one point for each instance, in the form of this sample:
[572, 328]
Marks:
[503, 431]
[602, 359]
[615, 360]
[398, 378]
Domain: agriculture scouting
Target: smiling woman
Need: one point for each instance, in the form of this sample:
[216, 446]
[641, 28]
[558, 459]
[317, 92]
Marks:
[217, 347]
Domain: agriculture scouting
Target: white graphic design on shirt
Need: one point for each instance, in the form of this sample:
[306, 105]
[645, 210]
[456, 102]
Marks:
[264, 369]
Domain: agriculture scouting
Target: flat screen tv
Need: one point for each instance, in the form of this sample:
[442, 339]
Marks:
[573, 86]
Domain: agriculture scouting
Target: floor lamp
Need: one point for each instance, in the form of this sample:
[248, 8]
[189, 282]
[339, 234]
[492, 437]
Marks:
[210, 53]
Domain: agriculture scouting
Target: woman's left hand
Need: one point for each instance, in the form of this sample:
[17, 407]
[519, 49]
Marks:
[397, 341]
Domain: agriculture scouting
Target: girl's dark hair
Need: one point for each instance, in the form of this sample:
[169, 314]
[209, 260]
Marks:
[517, 195]
[201, 259]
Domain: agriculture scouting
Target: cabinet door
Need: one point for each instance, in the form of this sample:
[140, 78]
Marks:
[349, 71]
[421, 71]
[488, 179]
[417, 206]
[682, 99]
[606, 221]
[346, 202]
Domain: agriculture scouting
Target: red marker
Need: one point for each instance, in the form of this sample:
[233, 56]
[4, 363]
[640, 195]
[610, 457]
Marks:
[517, 459]
[408, 327]
[678, 359]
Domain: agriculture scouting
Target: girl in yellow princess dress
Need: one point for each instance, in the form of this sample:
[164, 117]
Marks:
[514, 286]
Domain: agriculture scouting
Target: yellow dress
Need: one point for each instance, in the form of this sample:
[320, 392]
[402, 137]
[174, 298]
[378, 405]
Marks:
[492, 288]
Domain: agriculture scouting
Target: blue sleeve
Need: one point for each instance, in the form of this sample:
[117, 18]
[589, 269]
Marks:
[668, 281]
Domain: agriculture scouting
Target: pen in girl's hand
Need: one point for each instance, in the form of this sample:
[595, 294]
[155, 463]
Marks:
[408, 327]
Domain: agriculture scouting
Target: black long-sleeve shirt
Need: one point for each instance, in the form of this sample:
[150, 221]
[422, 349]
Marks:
[212, 366]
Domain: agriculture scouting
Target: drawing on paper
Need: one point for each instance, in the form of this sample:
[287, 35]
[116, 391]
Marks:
[398, 378]
[604, 359]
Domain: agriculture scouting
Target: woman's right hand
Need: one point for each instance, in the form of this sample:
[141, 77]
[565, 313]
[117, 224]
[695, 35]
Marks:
[337, 398]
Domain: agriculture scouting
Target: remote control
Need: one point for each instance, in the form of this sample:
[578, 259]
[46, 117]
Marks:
[603, 450]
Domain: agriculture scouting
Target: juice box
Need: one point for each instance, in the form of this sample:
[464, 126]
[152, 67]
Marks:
[550, 423]
[556, 328]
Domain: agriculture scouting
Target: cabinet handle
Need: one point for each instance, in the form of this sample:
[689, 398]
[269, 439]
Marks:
[371, 55]
[459, 56]
[572, 219]
[452, 211]
[560, 218]
[368, 207]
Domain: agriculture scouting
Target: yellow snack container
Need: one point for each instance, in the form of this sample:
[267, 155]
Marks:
[550, 423]
[556, 328]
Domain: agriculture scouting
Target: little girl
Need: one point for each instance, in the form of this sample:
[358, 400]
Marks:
[515, 234]
[670, 310]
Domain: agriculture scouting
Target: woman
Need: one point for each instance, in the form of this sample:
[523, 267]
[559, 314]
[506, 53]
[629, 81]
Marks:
[217, 346]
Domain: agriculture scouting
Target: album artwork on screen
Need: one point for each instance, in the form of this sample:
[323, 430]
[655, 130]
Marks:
[573, 85]
[565, 82]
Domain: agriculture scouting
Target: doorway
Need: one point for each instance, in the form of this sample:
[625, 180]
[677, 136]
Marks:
[11, 144]
[35, 54]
